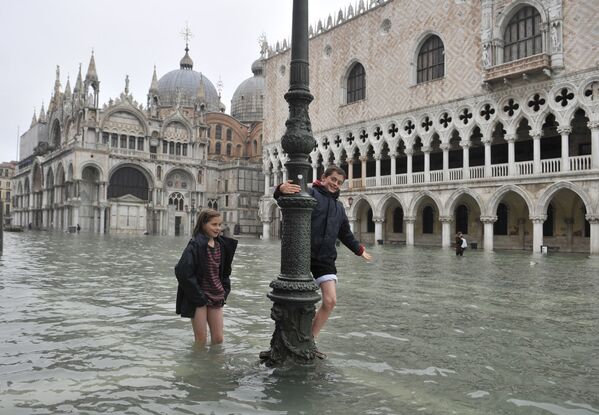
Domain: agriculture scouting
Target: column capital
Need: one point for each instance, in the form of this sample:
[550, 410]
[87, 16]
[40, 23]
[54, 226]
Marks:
[409, 219]
[444, 146]
[426, 149]
[510, 137]
[363, 158]
[267, 222]
[376, 156]
[564, 130]
[446, 219]
[538, 219]
[536, 134]
[465, 144]
[594, 219]
[409, 151]
[488, 219]
[393, 154]
[378, 220]
[593, 125]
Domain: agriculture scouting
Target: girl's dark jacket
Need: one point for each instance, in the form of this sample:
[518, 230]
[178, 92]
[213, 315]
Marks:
[191, 268]
[329, 223]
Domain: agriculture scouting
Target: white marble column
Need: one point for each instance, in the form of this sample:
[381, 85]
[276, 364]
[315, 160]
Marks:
[409, 153]
[378, 230]
[315, 171]
[103, 219]
[285, 175]
[465, 159]
[446, 222]
[410, 221]
[489, 231]
[266, 230]
[377, 158]
[350, 172]
[76, 216]
[363, 160]
[511, 155]
[393, 156]
[427, 163]
[266, 182]
[488, 170]
[594, 126]
[565, 134]
[594, 221]
[445, 148]
[537, 232]
[536, 151]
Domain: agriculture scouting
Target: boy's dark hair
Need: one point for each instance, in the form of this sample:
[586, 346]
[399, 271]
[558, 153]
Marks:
[205, 216]
[334, 169]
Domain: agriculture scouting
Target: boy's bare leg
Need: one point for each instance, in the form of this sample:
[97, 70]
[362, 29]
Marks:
[329, 300]
[200, 325]
[216, 324]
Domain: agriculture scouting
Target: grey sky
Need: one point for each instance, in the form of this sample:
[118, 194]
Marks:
[128, 38]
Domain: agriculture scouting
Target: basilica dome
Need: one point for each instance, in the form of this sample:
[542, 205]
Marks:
[188, 87]
[248, 100]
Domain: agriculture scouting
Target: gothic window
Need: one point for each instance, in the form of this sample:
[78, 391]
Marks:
[461, 219]
[184, 147]
[159, 172]
[164, 147]
[178, 200]
[548, 224]
[128, 180]
[500, 226]
[131, 143]
[369, 222]
[219, 132]
[427, 220]
[105, 137]
[356, 83]
[431, 60]
[178, 149]
[229, 149]
[255, 148]
[217, 148]
[522, 36]
[171, 147]
[229, 134]
[114, 140]
[398, 220]
[140, 143]
[123, 141]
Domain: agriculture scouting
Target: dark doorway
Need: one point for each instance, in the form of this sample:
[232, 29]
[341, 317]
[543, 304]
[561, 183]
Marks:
[177, 225]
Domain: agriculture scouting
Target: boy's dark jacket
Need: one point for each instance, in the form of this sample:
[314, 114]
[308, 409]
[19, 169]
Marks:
[329, 223]
[191, 268]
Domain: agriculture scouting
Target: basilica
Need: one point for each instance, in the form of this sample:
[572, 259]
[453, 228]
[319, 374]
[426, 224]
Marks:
[480, 117]
[126, 167]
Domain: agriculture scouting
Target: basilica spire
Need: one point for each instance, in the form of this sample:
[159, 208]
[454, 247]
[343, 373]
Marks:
[57, 82]
[92, 74]
[42, 117]
[154, 84]
[78, 83]
[67, 89]
[34, 119]
[186, 61]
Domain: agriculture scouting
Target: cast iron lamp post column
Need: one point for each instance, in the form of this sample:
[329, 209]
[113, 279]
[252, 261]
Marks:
[294, 292]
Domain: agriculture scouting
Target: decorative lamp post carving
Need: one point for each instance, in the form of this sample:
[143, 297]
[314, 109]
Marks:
[294, 292]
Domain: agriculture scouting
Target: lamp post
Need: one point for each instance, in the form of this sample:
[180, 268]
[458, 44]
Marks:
[294, 292]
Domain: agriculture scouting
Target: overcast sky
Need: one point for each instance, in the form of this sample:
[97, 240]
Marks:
[129, 37]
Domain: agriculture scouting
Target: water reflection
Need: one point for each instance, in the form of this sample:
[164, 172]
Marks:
[87, 325]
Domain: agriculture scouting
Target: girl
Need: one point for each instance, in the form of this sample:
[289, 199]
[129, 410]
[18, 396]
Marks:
[203, 273]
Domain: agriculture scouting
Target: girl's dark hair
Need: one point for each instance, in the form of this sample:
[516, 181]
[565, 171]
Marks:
[205, 216]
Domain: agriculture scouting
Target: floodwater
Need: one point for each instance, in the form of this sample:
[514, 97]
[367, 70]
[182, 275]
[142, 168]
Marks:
[87, 326]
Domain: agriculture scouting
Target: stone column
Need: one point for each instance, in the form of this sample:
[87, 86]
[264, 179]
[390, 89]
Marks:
[536, 152]
[488, 170]
[565, 133]
[378, 230]
[594, 221]
[350, 172]
[511, 155]
[594, 126]
[488, 222]
[537, 232]
[352, 224]
[275, 174]
[315, 171]
[409, 153]
[393, 156]
[465, 158]
[377, 158]
[266, 230]
[446, 222]
[410, 221]
[284, 174]
[266, 182]
[427, 163]
[102, 219]
[445, 148]
[363, 160]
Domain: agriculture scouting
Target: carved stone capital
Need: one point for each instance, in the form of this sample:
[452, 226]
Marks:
[510, 137]
[488, 219]
[363, 158]
[446, 219]
[444, 146]
[565, 130]
[593, 125]
[594, 219]
[536, 134]
[409, 152]
[538, 219]
[465, 144]
[410, 219]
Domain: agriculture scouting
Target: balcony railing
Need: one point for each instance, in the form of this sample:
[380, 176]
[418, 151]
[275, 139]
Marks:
[514, 69]
[521, 168]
